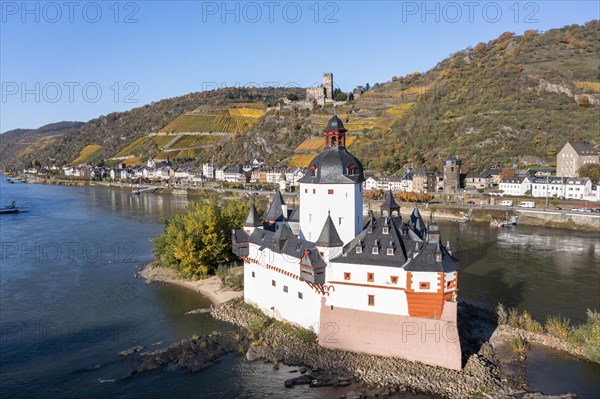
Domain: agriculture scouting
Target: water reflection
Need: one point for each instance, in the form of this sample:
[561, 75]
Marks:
[534, 268]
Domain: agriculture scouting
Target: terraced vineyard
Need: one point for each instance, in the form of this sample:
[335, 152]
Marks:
[192, 141]
[209, 123]
[133, 147]
[87, 154]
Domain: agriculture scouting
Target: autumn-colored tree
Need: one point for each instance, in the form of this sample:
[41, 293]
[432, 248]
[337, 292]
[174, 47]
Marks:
[591, 170]
[196, 242]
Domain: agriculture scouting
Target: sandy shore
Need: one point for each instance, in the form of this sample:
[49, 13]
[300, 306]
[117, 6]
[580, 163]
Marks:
[210, 287]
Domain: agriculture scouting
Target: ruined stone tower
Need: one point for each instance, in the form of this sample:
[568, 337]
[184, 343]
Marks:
[323, 92]
[328, 85]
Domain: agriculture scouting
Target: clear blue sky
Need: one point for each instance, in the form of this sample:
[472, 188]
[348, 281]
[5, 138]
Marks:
[56, 55]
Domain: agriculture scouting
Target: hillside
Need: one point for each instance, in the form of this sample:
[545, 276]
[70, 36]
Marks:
[109, 135]
[18, 143]
[514, 99]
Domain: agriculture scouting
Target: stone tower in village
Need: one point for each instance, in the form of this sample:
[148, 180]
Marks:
[451, 175]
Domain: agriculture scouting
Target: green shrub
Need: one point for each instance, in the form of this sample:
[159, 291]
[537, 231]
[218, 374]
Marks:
[558, 327]
[587, 336]
[519, 346]
[502, 315]
[256, 325]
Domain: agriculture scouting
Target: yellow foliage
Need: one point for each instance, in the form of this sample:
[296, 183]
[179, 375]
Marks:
[247, 112]
[209, 123]
[132, 147]
[87, 152]
[301, 161]
[133, 161]
[311, 144]
[588, 86]
[400, 110]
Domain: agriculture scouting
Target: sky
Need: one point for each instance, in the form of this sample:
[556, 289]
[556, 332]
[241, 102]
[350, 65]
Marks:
[77, 60]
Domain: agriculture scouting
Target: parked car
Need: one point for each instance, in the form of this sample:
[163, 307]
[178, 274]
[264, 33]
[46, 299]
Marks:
[558, 208]
[506, 203]
[471, 202]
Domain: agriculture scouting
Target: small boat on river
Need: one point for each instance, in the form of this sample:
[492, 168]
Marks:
[12, 208]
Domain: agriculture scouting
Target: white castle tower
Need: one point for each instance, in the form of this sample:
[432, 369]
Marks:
[332, 187]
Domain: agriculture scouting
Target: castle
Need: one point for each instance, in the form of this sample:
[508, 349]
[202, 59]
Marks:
[383, 286]
[322, 93]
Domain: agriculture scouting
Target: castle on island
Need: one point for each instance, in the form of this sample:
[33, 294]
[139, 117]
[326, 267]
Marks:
[384, 286]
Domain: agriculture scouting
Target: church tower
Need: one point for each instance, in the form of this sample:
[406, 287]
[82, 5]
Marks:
[332, 188]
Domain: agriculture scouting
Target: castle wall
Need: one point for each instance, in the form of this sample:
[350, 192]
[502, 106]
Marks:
[434, 342]
[261, 268]
[389, 298]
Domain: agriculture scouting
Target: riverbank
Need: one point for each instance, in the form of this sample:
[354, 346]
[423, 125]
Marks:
[530, 217]
[211, 287]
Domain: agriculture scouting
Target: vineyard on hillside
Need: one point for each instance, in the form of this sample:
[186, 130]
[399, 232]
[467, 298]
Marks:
[87, 154]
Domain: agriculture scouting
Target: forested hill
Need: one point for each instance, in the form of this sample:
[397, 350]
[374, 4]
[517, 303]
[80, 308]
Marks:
[514, 99]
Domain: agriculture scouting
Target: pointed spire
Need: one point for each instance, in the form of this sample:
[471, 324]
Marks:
[417, 223]
[275, 212]
[389, 204]
[253, 218]
[329, 236]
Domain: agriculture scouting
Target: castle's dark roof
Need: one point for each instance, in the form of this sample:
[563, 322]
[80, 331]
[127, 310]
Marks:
[409, 250]
[275, 212]
[253, 219]
[329, 236]
[331, 166]
[295, 215]
[389, 203]
[335, 123]
[417, 224]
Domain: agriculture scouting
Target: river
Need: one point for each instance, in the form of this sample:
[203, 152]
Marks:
[69, 299]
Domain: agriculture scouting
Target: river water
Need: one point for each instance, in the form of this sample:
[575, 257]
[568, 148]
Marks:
[69, 299]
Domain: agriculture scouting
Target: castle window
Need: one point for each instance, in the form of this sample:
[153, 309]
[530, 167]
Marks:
[370, 277]
[330, 191]
[351, 170]
[273, 283]
[359, 249]
[450, 284]
[253, 274]
[306, 190]
[340, 221]
[300, 296]
[375, 251]
[314, 191]
[390, 251]
[386, 230]
[313, 172]
[285, 288]
[347, 276]
[394, 279]
[424, 286]
[371, 300]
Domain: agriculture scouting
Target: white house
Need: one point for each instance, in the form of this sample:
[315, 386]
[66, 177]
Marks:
[515, 185]
[319, 267]
[208, 171]
[578, 187]
[550, 186]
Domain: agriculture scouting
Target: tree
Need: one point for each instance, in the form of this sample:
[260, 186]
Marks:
[292, 97]
[341, 96]
[591, 170]
[196, 242]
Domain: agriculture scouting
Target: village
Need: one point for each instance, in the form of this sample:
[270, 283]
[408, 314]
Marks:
[555, 183]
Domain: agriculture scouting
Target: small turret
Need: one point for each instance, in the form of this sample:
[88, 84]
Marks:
[329, 242]
[390, 205]
[252, 220]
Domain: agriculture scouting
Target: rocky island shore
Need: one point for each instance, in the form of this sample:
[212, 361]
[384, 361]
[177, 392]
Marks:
[490, 368]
